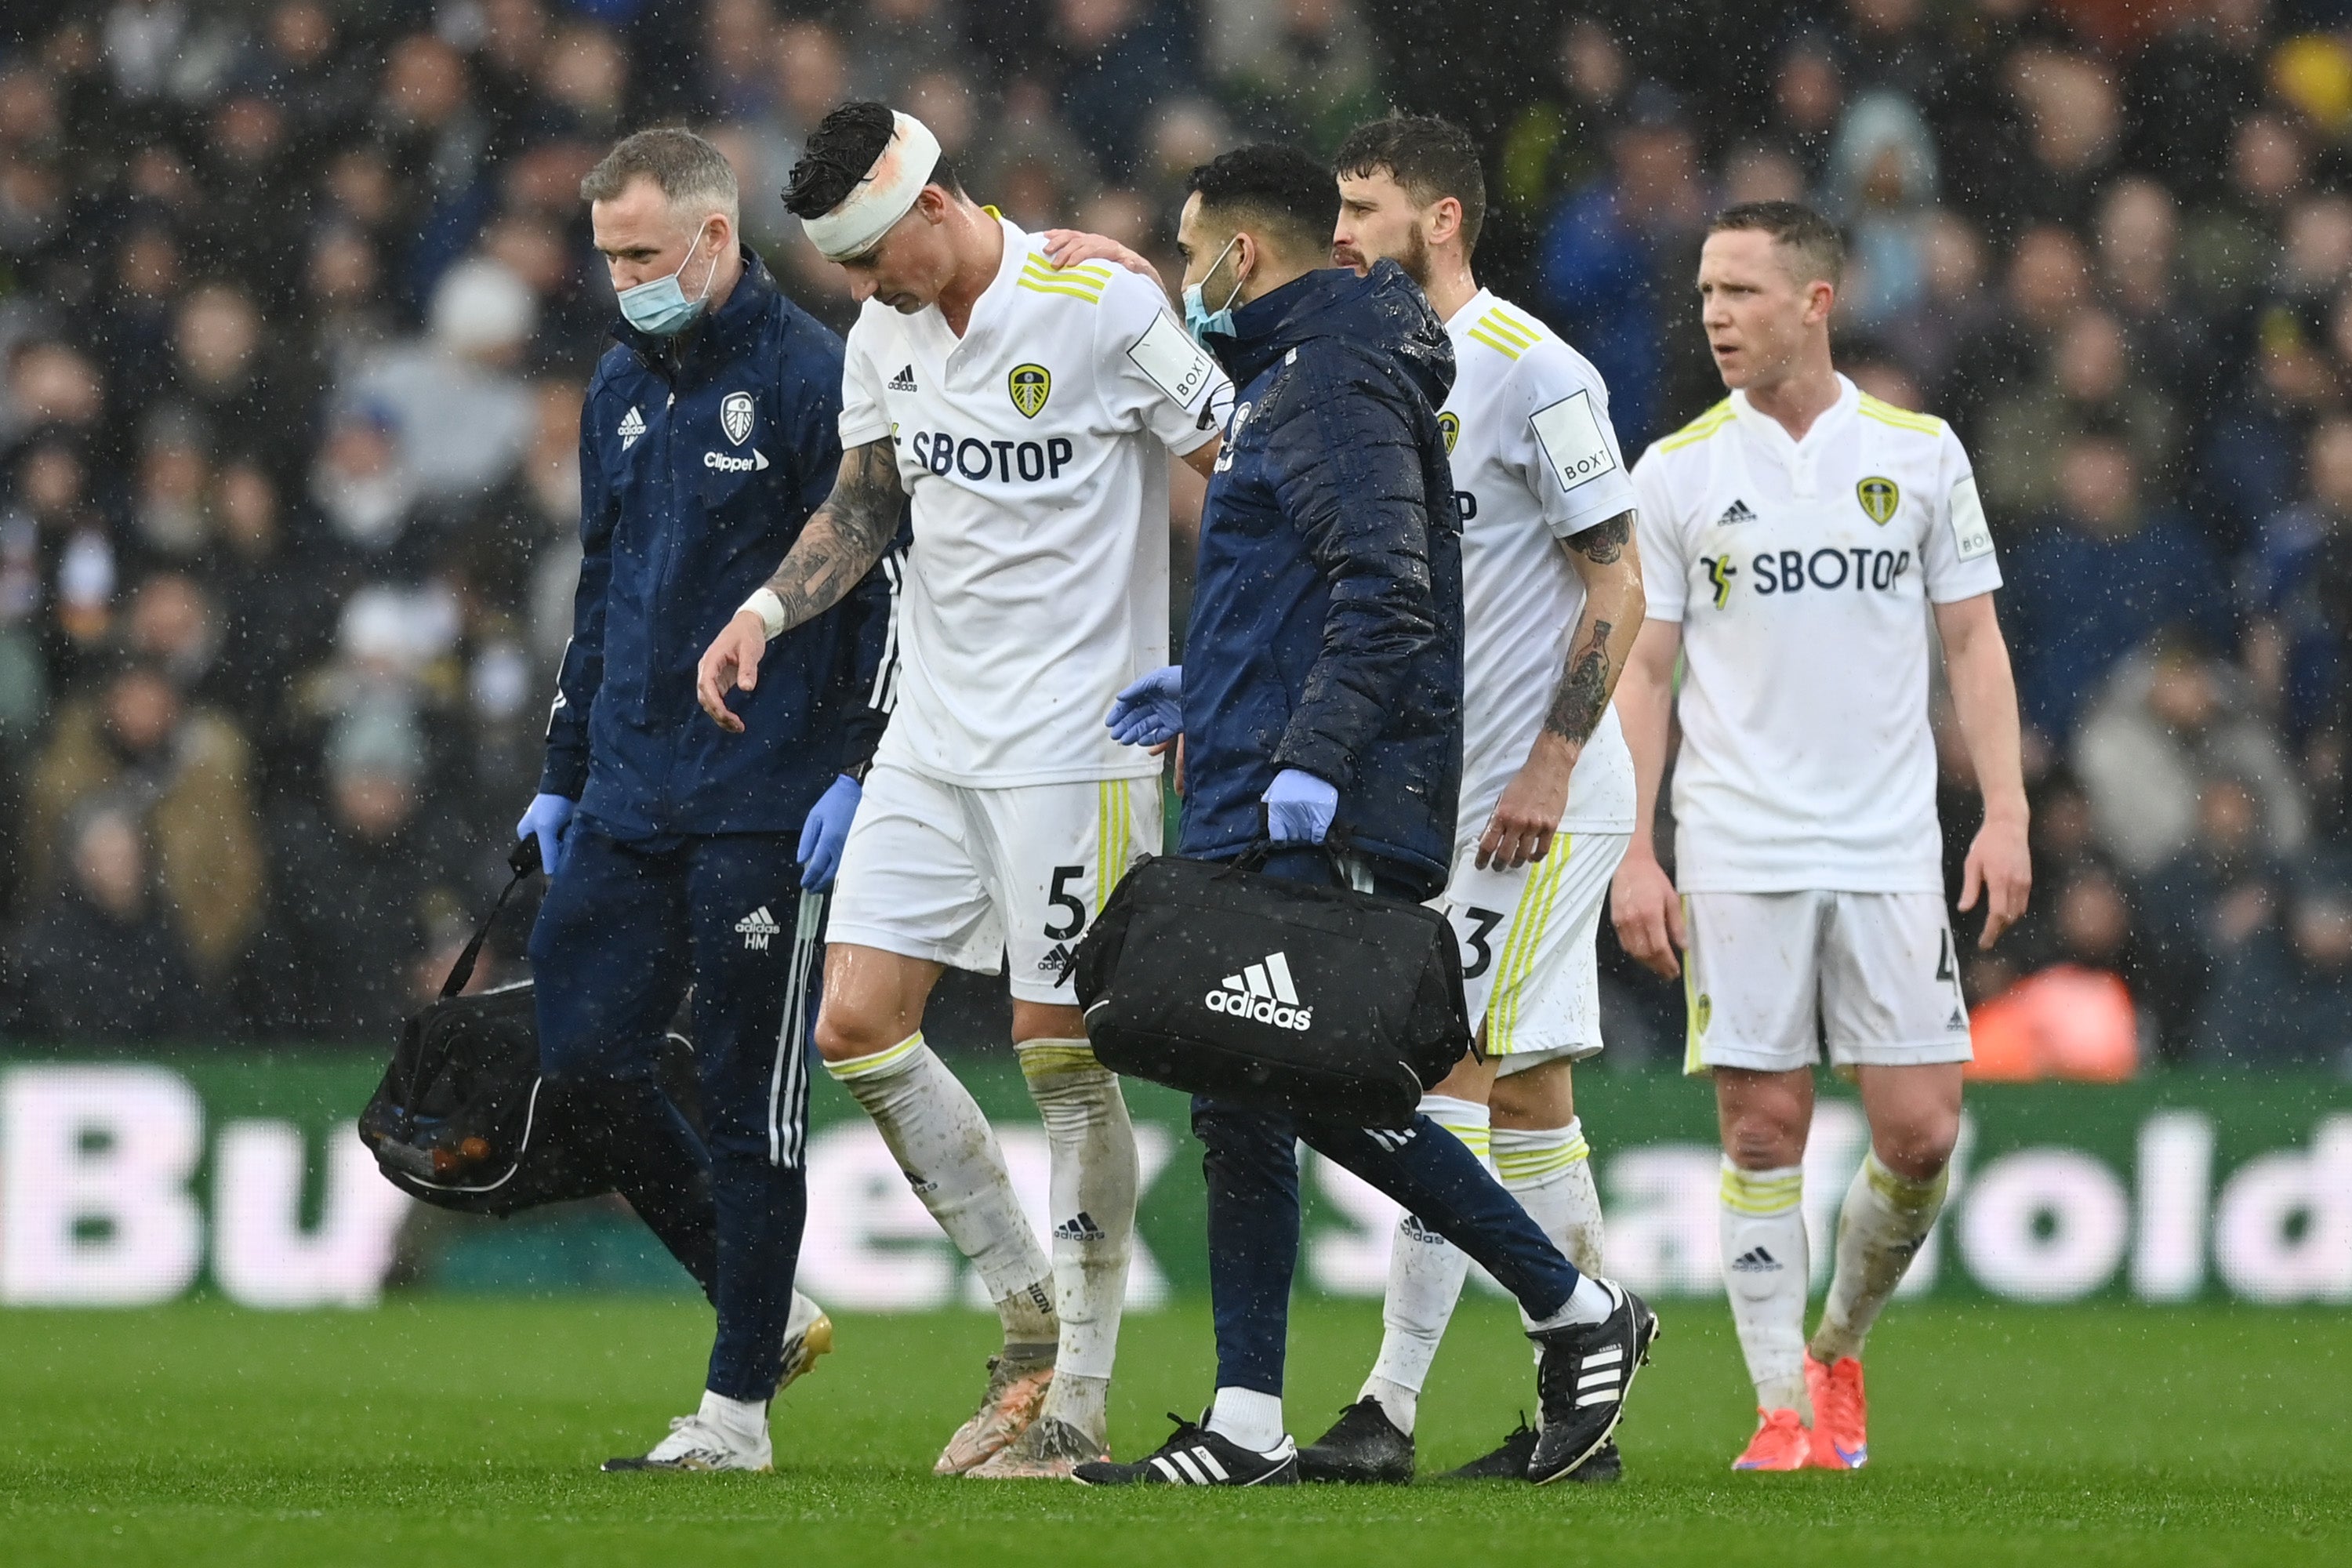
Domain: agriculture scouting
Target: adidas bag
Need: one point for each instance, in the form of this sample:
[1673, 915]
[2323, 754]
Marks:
[1219, 980]
[462, 1119]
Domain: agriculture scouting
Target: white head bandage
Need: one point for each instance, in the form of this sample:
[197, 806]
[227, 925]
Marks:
[882, 197]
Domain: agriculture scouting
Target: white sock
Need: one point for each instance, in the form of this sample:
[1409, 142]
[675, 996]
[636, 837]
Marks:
[1094, 1176]
[950, 1157]
[744, 1418]
[1399, 1404]
[1425, 1275]
[1245, 1415]
[1549, 1170]
[1885, 1219]
[1761, 1225]
[1590, 1302]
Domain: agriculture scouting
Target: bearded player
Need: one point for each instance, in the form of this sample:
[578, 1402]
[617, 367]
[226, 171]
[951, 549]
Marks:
[1551, 595]
[1797, 539]
[1026, 414]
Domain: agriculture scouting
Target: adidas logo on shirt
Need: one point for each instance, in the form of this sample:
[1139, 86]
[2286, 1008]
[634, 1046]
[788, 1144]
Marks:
[1080, 1228]
[905, 379]
[757, 928]
[1264, 994]
[633, 425]
[1737, 512]
[1756, 1260]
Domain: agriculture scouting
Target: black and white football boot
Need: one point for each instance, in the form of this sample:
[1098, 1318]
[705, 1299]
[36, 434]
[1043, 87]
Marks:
[697, 1443]
[1195, 1456]
[1364, 1447]
[1583, 1372]
[1507, 1461]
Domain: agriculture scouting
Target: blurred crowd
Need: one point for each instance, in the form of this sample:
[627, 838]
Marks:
[297, 304]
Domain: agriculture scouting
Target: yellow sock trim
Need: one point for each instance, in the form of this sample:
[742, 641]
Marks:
[880, 1062]
[1478, 1140]
[1901, 1191]
[1762, 1193]
[1530, 1165]
[1039, 1057]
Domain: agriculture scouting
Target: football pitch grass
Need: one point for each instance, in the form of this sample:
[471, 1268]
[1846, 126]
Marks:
[468, 1430]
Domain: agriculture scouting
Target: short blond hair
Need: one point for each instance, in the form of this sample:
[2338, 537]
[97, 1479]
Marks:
[686, 169]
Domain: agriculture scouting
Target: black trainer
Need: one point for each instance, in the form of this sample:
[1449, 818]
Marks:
[1583, 1372]
[1195, 1456]
[1507, 1461]
[1364, 1447]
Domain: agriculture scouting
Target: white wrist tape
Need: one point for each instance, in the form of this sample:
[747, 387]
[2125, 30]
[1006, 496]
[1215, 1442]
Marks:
[882, 197]
[768, 608]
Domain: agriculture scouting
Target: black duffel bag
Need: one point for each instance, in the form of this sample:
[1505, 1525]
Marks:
[463, 1121]
[1217, 979]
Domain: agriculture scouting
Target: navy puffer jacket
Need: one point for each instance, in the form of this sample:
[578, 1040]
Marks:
[1325, 632]
[701, 458]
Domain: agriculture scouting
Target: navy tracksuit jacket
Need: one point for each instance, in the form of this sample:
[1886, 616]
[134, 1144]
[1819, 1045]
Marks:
[1326, 635]
[700, 459]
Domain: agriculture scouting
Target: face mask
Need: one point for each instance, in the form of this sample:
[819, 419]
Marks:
[1199, 320]
[661, 308]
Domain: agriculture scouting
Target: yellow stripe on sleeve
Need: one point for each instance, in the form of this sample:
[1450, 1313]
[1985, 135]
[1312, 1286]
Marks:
[1498, 344]
[1526, 331]
[1036, 288]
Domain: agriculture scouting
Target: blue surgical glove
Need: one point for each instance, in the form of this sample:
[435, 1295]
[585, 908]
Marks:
[549, 818]
[825, 832]
[1299, 808]
[1150, 712]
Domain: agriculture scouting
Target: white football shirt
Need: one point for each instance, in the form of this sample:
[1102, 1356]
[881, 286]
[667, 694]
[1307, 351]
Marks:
[1801, 574]
[1534, 459]
[1035, 451]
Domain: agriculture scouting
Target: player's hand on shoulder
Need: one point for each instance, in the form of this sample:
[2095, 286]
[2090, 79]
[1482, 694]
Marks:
[731, 663]
[1648, 914]
[1068, 247]
[2000, 866]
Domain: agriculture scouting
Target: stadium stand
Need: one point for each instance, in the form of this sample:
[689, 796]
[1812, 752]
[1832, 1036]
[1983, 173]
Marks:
[296, 303]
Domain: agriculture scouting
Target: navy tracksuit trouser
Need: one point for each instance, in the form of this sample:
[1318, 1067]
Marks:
[1251, 1164]
[625, 929]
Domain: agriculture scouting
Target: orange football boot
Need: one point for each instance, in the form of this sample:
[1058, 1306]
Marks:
[1781, 1443]
[1841, 1415]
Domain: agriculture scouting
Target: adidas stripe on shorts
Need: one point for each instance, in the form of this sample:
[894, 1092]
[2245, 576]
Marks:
[974, 877]
[1768, 976]
[1528, 965]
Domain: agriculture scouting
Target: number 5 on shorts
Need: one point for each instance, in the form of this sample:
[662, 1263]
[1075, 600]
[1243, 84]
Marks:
[1061, 897]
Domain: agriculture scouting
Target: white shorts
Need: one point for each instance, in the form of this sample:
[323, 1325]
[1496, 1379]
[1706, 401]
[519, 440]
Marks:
[971, 877]
[1768, 975]
[1528, 969]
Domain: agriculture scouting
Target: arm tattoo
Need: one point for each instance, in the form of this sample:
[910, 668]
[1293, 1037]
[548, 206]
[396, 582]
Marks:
[1583, 693]
[1603, 542]
[845, 537]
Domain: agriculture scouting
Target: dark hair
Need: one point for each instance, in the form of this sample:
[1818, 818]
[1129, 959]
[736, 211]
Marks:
[1816, 240]
[1280, 187]
[1430, 157]
[840, 151]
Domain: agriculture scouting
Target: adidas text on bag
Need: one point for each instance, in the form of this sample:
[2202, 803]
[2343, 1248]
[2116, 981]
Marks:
[1264, 993]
